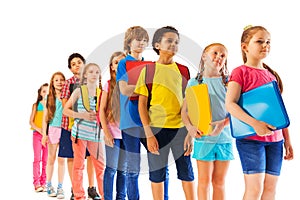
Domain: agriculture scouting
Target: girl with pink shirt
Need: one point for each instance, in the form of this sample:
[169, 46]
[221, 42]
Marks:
[260, 155]
[114, 148]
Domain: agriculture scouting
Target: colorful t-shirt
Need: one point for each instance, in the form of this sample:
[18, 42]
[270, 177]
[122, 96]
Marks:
[217, 93]
[113, 127]
[129, 114]
[166, 99]
[250, 78]
[38, 118]
[65, 94]
[57, 118]
[84, 129]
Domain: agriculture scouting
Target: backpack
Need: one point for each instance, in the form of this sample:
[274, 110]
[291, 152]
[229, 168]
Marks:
[150, 70]
[86, 103]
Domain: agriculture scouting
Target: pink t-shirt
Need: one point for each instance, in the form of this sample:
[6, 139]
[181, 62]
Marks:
[113, 127]
[250, 78]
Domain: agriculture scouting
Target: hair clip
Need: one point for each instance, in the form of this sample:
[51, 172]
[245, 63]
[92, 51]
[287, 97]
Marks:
[247, 27]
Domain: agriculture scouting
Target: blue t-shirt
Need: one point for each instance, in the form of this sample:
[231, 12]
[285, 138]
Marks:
[129, 114]
[217, 93]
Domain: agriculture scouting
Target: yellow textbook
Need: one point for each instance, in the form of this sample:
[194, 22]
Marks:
[199, 110]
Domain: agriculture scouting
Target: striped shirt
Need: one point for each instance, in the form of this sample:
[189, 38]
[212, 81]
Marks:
[85, 130]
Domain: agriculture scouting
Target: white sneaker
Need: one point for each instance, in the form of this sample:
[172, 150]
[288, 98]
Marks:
[51, 192]
[60, 193]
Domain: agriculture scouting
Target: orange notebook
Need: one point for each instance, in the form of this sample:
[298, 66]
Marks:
[199, 109]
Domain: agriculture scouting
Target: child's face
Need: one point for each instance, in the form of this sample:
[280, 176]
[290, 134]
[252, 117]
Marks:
[44, 91]
[115, 62]
[92, 74]
[215, 57]
[138, 46]
[169, 44]
[58, 82]
[258, 46]
[76, 64]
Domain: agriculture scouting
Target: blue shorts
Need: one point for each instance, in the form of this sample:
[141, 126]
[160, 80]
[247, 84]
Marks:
[212, 151]
[170, 139]
[260, 157]
[65, 149]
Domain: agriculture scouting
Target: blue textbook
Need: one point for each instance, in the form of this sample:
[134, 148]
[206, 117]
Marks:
[263, 103]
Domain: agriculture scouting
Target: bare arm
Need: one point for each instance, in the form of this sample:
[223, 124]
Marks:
[232, 96]
[127, 90]
[192, 130]
[90, 116]
[152, 143]
[289, 153]
[108, 139]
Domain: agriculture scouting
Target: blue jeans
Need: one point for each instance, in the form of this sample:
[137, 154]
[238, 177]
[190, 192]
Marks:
[115, 163]
[132, 139]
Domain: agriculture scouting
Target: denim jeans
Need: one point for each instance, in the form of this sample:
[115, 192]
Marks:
[115, 164]
[132, 139]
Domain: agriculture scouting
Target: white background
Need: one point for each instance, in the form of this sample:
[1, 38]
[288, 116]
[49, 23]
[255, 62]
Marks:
[37, 37]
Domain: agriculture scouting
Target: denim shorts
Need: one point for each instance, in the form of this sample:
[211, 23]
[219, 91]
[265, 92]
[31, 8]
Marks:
[212, 151]
[170, 139]
[260, 157]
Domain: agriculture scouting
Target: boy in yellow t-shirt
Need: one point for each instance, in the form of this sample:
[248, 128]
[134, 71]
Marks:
[162, 122]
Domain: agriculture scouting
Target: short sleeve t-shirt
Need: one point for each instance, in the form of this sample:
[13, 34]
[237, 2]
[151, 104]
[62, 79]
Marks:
[129, 114]
[166, 99]
[249, 78]
[217, 93]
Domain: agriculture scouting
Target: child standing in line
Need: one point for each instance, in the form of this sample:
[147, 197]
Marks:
[260, 155]
[85, 131]
[135, 41]
[51, 133]
[75, 63]
[162, 122]
[40, 152]
[114, 147]
[214, 151]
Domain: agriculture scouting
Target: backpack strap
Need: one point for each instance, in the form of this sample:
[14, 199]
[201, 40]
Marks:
[149, 75]
[185, 72]
[85, 97]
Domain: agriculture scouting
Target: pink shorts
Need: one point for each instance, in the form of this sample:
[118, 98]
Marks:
[54, 134]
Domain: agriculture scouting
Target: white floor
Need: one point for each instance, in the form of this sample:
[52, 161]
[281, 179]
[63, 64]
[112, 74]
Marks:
[16, 178]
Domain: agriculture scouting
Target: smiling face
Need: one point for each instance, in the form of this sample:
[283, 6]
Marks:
[58, 82]
[168, 44]
[215, 57]
[138, 45]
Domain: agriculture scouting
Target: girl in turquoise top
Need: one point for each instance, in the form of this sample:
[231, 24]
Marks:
[213, 152]
[51, 133]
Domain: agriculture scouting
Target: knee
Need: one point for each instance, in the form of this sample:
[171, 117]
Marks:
[110, 171]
